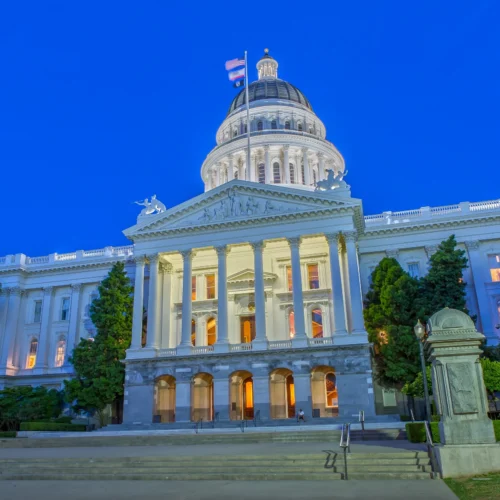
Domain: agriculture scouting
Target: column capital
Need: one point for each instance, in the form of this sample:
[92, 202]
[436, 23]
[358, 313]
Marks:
[320, 155]
[350, 235]
[430, 250]
[166, 267]
[295, 241]
[472, 244]
[76, 287]
[286, 147]
[17, 290]
[257, 245]
[230, 157]
[222, 250]
[47, 290]
[392, 254]
[187, 254]
[332, 237]
[153, 258]
[266, 148]
[140, 259]
[304, 150]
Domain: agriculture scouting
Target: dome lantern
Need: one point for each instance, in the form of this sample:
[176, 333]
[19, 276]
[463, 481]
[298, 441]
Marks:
[267, 66]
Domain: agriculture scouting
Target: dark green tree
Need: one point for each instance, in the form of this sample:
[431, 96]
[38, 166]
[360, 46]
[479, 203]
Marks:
[99, 371]
[444, 286]
[389, 319]
[491, 375]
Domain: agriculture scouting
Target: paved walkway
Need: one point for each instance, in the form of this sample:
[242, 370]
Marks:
[224, 490]
[208, 449]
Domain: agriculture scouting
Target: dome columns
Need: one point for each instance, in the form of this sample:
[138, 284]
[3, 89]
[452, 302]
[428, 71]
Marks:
[267, 162]
[321, 165]
[307, 173]
[230, 168]
[286, 163]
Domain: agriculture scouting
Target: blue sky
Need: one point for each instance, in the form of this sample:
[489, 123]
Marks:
[104, 103]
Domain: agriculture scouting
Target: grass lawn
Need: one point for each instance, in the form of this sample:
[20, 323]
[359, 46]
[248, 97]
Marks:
[485, 487]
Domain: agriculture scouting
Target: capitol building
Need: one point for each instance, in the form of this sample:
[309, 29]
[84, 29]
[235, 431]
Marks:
[252, 292]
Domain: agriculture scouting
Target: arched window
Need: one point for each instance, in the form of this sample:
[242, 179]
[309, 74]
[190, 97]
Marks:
[287, 125]
[245, 129]
[291, 323]
[193, 332]
[292, 173]
[331, 390]
[262, 173]
[235, 132]
[260, 126]
[276, 173]
[32, 354]
[299, 127]
[211, 331]
[274, 124]
[317, 323]
[60, 352]
[236, 174]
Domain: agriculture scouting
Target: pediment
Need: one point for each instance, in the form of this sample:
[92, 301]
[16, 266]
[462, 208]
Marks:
[238, 202]
[248, 275]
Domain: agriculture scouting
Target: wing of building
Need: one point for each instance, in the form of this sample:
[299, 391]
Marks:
[253, 289]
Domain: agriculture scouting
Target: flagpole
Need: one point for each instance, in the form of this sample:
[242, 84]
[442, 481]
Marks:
[248, 176]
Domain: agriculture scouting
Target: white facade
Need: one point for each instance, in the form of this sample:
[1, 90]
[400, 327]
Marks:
[259, 263]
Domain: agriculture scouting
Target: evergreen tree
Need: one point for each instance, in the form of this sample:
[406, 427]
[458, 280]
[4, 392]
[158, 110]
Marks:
[99, 371]
[443, 286]
[389, 319]
[491, 376]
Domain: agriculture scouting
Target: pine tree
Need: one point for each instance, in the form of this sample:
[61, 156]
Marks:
[99, 371]
[389, 319]
[443, 286]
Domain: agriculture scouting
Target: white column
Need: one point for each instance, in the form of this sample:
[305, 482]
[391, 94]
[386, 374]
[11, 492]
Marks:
[339, 316]
[200, 331]
[230, 168]
[260, 298]
[43, 341]
[321, 166]
[269, 175]
[153, 302]
[74, 320]
[222, 332]
[138, 303]
[307, 174]
[166, 305]
[185, 344]
[217, 175]
[253, 168]
[13, 307]
[286, 163]
[480, 274]
[248, 168]
[298, 299]
[358, 324]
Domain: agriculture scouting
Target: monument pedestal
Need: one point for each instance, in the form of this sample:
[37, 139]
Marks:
[467, 459]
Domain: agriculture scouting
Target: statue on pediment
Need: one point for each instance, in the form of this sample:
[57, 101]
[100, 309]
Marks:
[252, 206]
[332, 181]
[151, 207]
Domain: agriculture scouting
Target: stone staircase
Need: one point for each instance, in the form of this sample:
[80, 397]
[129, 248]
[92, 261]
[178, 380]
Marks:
[312, 467]
[203, 437]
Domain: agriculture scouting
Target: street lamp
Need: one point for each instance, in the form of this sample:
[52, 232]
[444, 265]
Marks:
[420, 333]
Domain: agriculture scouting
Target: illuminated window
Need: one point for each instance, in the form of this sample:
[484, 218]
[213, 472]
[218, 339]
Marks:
[274, 125]
[289, 281]
[313, 276]
[291, 324]
[193, 288]
[495, 274]
[276, 173]
[211, 331]
[37, 316]
[32, 354]
[193, 332]
[65, 309]
[260, 126]
[317, 323]
[414, 269]
[210, 286]
[262, 173]
[60, 352]
[287, 125]
[292, 173]
[331, 390]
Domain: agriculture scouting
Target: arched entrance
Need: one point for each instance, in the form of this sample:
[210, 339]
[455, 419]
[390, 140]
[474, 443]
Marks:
[164, 399]
[202, 397]
[324, 392]
[282, 393]
[241, 396]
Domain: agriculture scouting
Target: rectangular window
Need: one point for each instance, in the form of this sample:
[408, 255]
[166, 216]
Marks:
[414, 269]
[210, 286]
[193, 288]
[37, 316]
[289, 282]
[497, 258]
[389, 397]
[313, 276]
[65, 309]
[495, 274]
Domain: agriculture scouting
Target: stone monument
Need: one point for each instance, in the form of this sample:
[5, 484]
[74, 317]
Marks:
[467, 435]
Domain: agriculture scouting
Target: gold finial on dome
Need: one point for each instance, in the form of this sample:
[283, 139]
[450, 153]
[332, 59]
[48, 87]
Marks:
[266, 51]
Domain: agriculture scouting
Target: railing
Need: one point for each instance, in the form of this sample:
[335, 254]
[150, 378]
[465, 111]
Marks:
[163, 353]
[345, 444]
[240, 347]
[256, 418]
[430, 449]
[322, 341]
[280, 344]
[93, 253]
[202, 349]
[215, 419]
[484, 205]
[66, 256]
[198, 425]
[37, 260]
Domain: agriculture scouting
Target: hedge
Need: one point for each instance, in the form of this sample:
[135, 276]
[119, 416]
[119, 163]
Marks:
[416, 432]
[8, 434]
[496, 426]
[63, 420]
[51, 426]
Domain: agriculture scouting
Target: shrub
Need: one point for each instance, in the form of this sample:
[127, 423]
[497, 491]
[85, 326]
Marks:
[51, 426]
[416, 432]
[435, 418]
[496, 426]
[8, 434]
[405, 418]
[63, 420]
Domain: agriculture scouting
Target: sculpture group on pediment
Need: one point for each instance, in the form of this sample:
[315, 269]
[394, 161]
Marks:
[154, 206]
[332, 181]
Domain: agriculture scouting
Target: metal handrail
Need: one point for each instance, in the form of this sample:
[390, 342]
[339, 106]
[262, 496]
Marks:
[345, 443]
[430, 449]
[256, 418]
[215, 419]
[198, 424]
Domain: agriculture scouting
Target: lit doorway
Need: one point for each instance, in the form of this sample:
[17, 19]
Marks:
[241, 393]
[247, 329]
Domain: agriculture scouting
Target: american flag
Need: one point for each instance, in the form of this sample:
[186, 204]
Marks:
[234, 63]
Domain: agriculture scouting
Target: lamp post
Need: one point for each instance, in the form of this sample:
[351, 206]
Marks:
[420, 333]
